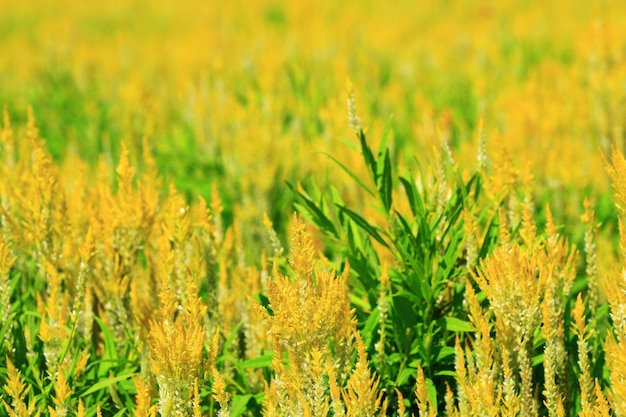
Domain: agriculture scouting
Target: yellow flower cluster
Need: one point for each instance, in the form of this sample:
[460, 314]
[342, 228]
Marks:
[311, 321]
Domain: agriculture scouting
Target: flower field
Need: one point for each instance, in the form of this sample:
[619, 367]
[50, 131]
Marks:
[312, 208]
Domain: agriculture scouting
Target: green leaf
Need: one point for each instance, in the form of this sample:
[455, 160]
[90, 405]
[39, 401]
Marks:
[432, 391]
[404, 319]
[385, 183]
[239, 404]
[318, 217]
[109, 358]
[232, 336]
[262, 361]
[363, 224]
[445, 352]
[367, 154]
[105, 383]
[415, 199]
[351, 174]
[405, 375]
[383, 142]
[454, 324]
[491, 238]
[370, 325]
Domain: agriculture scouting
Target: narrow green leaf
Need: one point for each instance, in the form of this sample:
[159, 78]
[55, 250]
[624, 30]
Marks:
[370, 326]
[258, 362]
[109, 358]
[432, 391]
[445, 352]
[386, 184]
[350, 173]
[491, 238]
[367, 154]
[232, 336]
[405, 375]
[105, 383]
[383, 142]
[404, 309]
[363, 224]
[415, 199]
[318, 217]
[454, 324]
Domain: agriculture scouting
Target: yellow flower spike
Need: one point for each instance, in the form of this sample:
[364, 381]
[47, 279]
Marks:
[461, 377]
[505, 174]
[6, 260]
[591, 269]
[126, 174]
[510, 397]
[317, 399]
[353, 119]
[401, 405]
[482, 145]
[622, 238]
[451, 409]
[217, 208]
[277, 247]
[213, 351]
[176, 222]
[528, 231]
[383, 306]
[585, 379]
[81, 364]
[302, 252]
[143, 399]
[617, 172]
[424, 404]
[471, 238]
[552, 393]
[551, 229]
[17, 390]
[503, 229]
[81, 409]
[6, 263]
[219, 393]
[335, 393]
[176, 344]
[483, 379]
[361, 395]
[62, 392]
[616, 362]
[270, 403]
[602, 408]
[197, 410]
[204, 218]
